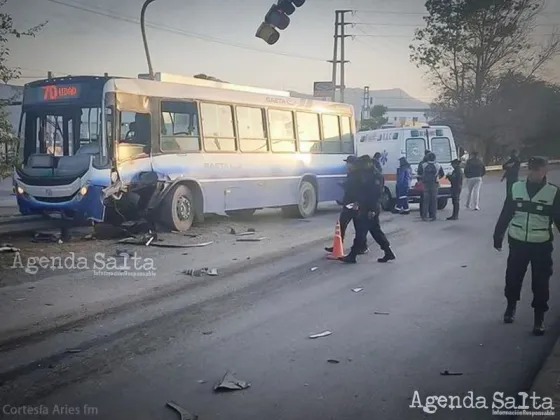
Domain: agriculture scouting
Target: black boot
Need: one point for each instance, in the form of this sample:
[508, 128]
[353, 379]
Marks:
[509, 315]
[349, 259]
[389, 256]
[538, 327]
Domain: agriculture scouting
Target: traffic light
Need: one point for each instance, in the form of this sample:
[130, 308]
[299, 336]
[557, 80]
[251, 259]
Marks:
[277, 18]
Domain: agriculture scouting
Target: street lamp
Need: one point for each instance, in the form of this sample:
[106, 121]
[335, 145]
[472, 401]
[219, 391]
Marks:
[143, 27]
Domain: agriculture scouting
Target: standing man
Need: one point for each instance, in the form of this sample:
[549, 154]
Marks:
[529, 212]
[419, 178]
[350, 186]
[456, 179]
[511, 170]
[369, 209]
[474, 171]
[431, 172]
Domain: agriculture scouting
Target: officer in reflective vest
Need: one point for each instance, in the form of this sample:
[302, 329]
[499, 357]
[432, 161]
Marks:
[528, 215]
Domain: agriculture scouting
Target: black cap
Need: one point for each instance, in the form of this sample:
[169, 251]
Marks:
[351, 159]
[537, 162]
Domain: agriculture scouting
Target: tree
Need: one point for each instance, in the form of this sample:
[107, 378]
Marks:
[377, 118]
[8, 142]
[468, 46]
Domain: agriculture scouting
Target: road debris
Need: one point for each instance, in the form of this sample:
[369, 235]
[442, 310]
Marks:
[231, 383]
[357, 289]
[463, 266]
[207, 332]
[245, 233]
[185, 415]
[203, 271]
[8, 248]
[262, 238]
[253, 230]
[46, 237]
[232, 231]
[122, 253]
[333, 361]
[447, 373]
[314, 268]
[73, 351]
[321, 335]
[381, 313]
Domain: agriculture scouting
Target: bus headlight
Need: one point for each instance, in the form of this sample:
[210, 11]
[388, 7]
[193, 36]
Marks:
[20, 191]
[83, 190]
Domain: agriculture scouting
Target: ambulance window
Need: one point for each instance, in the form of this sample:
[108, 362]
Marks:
[441, 147]
[415, 149]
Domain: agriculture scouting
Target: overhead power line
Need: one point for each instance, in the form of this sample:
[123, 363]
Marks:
[112, 15]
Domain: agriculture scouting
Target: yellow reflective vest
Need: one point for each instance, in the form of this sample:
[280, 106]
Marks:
[532, 221]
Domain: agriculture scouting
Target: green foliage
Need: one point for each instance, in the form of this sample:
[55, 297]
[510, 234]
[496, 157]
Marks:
[472, 50]
[8, 142]
[377, 118]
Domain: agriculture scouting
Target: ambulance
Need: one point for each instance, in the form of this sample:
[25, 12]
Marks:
[409, 142]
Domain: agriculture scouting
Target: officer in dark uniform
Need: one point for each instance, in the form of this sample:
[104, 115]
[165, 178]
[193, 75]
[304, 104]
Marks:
[369, 208]
[350, 186]
[528, 214]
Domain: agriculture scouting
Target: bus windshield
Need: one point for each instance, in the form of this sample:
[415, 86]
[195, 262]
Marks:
[61, 131]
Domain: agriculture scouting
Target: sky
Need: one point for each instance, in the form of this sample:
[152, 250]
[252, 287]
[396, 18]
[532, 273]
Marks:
[217, 37]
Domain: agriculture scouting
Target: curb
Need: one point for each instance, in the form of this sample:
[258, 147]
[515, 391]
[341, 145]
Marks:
[547, 381]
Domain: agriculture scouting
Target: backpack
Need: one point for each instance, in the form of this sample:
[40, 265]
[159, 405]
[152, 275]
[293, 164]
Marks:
[430, 174]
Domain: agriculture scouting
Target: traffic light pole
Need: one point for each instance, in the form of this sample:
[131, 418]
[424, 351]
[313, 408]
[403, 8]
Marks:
[339, 36]
[144, 38]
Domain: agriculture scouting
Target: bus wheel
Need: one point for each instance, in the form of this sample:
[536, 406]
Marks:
[387, 202]
[441, 203]
[307, 202]
[241, 214]
[178, 209]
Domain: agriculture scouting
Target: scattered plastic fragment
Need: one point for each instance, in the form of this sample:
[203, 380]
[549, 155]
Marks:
[463, 266]
[207, 332]
[333, 361]
[252, 230]
[245, 233]
[20, 299]
[73, 351]
[321, 335]
[7, 248]
[251, 239]
[231, 383]
[381, 313]
[447, 373]
[232, 231]
[199, 273]
[201, 381]
[357, 289]
[314, 268]
[185, 415]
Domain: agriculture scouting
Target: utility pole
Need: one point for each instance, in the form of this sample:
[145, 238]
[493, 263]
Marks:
[365, 105]
[339, 36]
[144, 38]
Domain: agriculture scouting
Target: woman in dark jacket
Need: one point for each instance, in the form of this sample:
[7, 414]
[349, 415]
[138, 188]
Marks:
[404, 176]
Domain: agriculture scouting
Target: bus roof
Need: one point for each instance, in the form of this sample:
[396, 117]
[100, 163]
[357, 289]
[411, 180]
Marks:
[204, 91]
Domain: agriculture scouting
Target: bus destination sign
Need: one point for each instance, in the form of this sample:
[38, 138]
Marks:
[52, 93]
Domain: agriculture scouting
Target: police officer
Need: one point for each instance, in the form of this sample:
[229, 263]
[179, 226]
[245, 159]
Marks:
[369, 207]
[350, 185]
[529, 212]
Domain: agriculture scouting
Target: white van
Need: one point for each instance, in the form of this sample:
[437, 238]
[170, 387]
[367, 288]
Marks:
[411, 143]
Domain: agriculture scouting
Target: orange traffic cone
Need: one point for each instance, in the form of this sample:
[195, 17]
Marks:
[338, 249]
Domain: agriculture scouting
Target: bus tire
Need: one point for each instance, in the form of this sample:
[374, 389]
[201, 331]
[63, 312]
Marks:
[442, 203]
[307, 202]
[178, 209]
[241, 214]
[387, 201]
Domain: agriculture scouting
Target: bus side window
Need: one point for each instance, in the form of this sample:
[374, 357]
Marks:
[135, 128]
[179, 127]
[282, 133]
[308, 132]
[331, 134]
[347, 136]
[217, 128]
[251, 125]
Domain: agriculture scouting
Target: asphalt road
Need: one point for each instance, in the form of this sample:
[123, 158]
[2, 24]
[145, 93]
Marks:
[443, 296]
